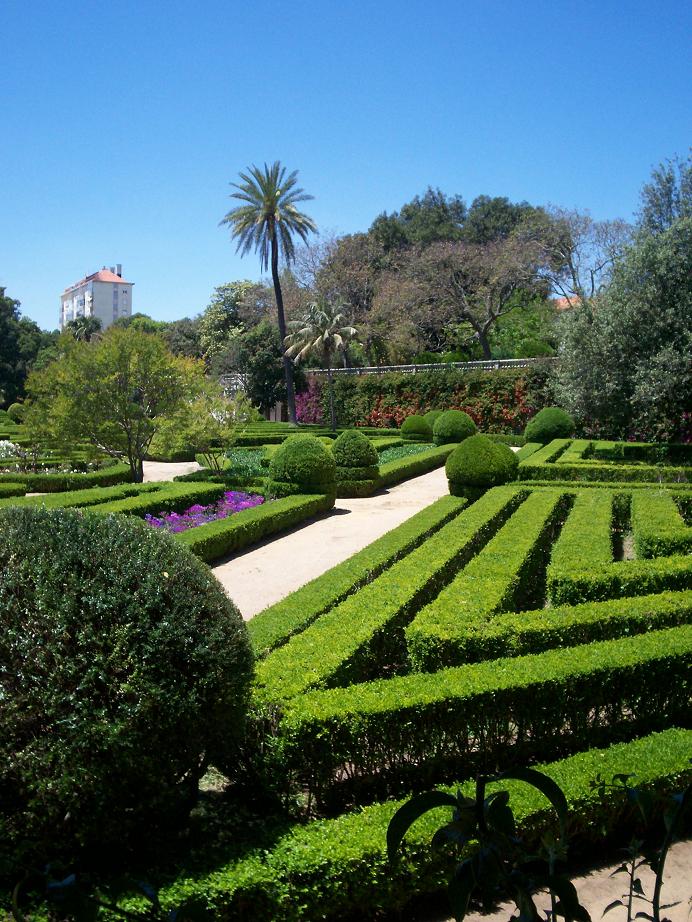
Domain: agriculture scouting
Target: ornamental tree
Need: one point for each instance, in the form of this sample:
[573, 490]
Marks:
[112, 394]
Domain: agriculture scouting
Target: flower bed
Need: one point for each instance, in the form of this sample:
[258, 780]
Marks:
[232, 501]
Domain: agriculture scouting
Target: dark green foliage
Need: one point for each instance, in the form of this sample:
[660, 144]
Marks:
[453, 426]
[273, 626]
[479, 463]
[16, 411]
[338, 868]
[123, 664]
[416, 429]
[302, 464]
[550, 462]
[431, 416]
[223, 537]
[548, 424]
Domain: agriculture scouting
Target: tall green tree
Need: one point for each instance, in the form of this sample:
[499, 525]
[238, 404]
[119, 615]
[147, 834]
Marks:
[267, 222]
[84, 328]
[322, 332]
[222, 317]
[112, 393]
[256, 358]
[20, 342]
[667, 196]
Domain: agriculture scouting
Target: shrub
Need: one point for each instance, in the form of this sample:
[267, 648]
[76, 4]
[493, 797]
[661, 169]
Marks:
[548, 424]
[353, 449]
[431, 416]
[302, 464]
[16, 411]
[453, 426]
[479, 463]
[123, 662]
[416, 429]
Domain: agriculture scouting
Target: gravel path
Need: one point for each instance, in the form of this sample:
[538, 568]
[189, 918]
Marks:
[267, 572]
[159, 470]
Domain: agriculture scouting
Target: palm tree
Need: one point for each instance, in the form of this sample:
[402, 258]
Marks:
[321, 331]
[84, 329]
[267, 223]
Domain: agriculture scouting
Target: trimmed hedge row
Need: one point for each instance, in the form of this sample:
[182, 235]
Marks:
[275, 625]
[11, 489]
[343, 644]
[396, 471]
[223, 537]
[519, 633]
[80, 498]
[505, 711]
[582, 569]
[547, 464]
[651, 452]
[60, 483]
[658, 527]
[171, 497]
[499, 578]
[337, 869]
[528, 449]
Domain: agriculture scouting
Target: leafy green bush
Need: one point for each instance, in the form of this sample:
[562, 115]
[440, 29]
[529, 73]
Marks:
[123, 665]
[478, 463]
[548, 424]
[352, 449]
[453, 426]
[431, 416]
[302, 464]
[416, 429]
[16, 412]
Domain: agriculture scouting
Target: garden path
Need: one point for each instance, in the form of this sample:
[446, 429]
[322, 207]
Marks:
[269, 571]
[159, 470]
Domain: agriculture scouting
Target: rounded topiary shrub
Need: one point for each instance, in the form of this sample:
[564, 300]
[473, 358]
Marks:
[357, 464]
[416, 429]
[302, 464]
[16, 411]
[124, 665]
[548, 424]
[431, 416]
[478, 464]
[453, 426]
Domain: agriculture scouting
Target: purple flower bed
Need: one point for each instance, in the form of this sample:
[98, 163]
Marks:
[232, 501]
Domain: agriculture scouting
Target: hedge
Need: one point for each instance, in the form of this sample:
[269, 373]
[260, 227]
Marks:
[338, 868]
[343, 643]
[528, 449]
[657, 525]
[396, 471]
[582, 569]
[11, 489]
[225, 536]
[171, 497]
[79, 498]
[276, 624]
[59, 483]
[504, 711]
[547, 464]
[651, 452]
[501, 577]
[518, 633]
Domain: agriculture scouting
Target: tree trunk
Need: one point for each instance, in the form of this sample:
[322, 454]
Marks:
[330, 384]
[484, 344]
[288, 365]
[137, 469]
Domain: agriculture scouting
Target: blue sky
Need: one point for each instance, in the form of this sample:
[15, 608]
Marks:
[124, 123]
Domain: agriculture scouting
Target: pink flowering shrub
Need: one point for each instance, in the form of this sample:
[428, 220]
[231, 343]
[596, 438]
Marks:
[309, 403]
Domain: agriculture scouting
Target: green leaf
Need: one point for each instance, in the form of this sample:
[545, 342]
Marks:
[406, 815]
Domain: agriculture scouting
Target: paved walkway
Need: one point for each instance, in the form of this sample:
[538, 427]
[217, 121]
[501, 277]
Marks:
[267, 572]
[160, 470]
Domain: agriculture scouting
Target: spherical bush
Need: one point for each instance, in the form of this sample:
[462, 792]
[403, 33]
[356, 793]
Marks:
[353, 449]
[123, 665]
[302, 464]
[415, 429]
[479, 463]
[453, 426]
[431, 416]
[548, 424]
[16, 412]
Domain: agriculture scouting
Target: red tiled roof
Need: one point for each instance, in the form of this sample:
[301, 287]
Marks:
[563, 304]
[103, 275]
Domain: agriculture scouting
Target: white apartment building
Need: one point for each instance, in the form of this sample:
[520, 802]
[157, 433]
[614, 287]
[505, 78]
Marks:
[104, 294]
